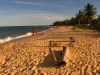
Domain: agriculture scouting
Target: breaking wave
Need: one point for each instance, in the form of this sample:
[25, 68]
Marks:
[13, 38]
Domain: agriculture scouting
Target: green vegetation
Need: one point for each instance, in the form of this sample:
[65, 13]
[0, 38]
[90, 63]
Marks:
[85, 18]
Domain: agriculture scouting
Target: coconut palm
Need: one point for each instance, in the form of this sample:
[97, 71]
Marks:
[90, 12]
[80, 16]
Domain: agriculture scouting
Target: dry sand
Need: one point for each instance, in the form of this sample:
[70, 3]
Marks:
[31, 55]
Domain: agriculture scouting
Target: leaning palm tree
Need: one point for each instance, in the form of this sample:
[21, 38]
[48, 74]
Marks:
[90, 12]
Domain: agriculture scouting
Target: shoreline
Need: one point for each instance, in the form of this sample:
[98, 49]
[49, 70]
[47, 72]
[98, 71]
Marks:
[11, 38]
[33, 56]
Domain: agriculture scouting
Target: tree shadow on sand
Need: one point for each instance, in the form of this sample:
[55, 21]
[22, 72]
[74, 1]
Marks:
[49, 60]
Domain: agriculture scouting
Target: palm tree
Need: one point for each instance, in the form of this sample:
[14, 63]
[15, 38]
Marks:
[80, 16]
[98, 17]
[90, 12]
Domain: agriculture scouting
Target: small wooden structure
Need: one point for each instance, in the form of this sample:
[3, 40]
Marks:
[65, 51]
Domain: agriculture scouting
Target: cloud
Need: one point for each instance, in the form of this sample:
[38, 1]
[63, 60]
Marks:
[30, 19]
[37, 4]
[47, 16]
[27, 15]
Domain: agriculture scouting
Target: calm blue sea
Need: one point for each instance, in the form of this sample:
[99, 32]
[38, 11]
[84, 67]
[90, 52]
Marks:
[19, 30]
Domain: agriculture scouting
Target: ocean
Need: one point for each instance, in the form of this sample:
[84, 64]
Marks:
[14, 32]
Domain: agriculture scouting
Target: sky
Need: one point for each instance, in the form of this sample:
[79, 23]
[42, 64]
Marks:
[40, 12]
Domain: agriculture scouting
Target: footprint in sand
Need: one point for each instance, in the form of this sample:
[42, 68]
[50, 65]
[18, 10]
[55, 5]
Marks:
[2, 59]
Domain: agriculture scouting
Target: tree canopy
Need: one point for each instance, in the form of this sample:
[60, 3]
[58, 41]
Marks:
[90, 12]
[84, 17]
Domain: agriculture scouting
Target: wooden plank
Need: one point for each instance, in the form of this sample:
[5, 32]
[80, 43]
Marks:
[55, 59]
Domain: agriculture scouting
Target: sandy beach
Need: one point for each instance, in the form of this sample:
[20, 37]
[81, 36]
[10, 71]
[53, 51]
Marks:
[31, 55]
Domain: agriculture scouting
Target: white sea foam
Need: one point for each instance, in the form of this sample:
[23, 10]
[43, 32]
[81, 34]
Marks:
[13, 38]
